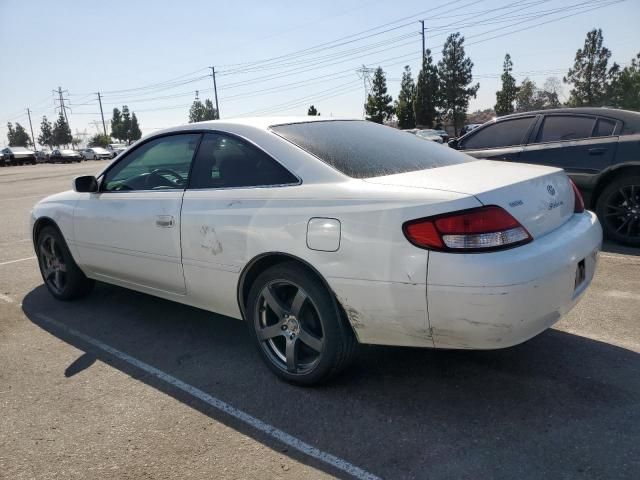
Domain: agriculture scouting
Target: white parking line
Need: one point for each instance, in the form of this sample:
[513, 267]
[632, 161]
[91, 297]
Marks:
[224, 407]
[622, 294]
[16, 261]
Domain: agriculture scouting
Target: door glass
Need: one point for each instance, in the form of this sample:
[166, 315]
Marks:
[500, 134]
[225, 161]
[160, 164]
[557, 128]
[604, 128]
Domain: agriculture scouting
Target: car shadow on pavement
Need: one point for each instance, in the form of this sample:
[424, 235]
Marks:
[558, 406]
[612, 247]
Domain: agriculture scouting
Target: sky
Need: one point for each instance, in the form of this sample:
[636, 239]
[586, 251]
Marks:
[273, 58]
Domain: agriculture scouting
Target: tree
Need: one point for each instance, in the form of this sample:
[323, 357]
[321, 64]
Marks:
[18, 136]
[134, 132]
[10, 132]
[99, 140]
[378, 107]
[200, 112]
[196, 112]
[46, 133]
[589, 74]
[625, 86]
[61, 131]
[210, 113]
[529, 97]
[426, 96]
[506, 96]
[75, 141]
[116, 125]
[551, 92]
[454, 72]
[312, 111]
[126, 124]
[404, 103]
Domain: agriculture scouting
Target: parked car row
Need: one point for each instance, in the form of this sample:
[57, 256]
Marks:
[599, 148]
[21, 155]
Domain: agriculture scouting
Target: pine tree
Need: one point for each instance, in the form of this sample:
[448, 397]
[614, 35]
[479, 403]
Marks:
[589, 75]
[126, 124]
[404, 103]
[196, 112]
[378, 107]
[454, 71]
[625, 86]
[46, 133]
[61, 131]
[210, 113]
[427, 89]
[507, 95]
[312, 111]
[116, 125]
[134, 133]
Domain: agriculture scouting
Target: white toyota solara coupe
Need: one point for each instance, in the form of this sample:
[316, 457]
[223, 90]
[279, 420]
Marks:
[325, 233]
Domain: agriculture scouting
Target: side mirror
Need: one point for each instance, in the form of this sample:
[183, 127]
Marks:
[454, 143]
[85, 184]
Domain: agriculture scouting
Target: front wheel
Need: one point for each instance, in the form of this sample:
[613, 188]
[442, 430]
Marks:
[62, 277]
[294, 322]
[618, 209]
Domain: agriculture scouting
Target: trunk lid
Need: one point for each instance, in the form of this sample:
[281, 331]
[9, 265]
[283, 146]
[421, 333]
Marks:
[540, 198]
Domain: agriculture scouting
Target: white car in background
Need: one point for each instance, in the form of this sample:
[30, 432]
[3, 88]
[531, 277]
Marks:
[116, 149]
[96, 153]
[325, 233]
[430, 135]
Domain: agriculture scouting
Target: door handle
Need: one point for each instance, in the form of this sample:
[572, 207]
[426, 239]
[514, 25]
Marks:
[164, 221]
[597, 151]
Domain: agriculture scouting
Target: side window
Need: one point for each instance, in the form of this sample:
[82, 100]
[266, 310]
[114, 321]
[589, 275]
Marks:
[224, 161]
[500, 134]
[604, 127]
[557, 128]
[160, 164]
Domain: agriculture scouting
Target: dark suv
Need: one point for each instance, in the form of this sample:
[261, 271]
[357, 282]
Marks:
[598, 147]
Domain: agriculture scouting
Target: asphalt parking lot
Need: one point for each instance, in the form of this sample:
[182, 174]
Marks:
[125, 385]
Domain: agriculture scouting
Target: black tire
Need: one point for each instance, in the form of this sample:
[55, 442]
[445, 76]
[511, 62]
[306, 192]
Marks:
[305, 314]
[62, 277]
[618, 209]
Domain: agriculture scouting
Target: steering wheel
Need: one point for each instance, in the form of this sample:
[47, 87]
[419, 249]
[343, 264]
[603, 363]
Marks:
[158, 172]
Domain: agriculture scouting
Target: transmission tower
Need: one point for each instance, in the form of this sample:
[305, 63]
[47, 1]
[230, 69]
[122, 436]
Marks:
[364, 73]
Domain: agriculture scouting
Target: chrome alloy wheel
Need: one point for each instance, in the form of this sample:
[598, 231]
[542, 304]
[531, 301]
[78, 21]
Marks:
[288, 327]
[52, 264]
[623, 211]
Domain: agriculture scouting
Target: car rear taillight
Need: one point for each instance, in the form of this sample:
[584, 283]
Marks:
[579, 201]
[474, 230]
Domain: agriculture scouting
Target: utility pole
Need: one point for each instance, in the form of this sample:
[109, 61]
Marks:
[423, 40]
[33, 139]
[104, 126]
[215, 91]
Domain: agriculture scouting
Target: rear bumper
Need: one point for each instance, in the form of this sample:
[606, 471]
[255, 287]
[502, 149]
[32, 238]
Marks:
[500, 299]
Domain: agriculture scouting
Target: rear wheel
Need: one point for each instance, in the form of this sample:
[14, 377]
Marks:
[618, 209]
[294, 321]
[62, 277]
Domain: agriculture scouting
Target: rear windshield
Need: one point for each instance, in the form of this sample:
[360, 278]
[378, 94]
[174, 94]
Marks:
[363, 149]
